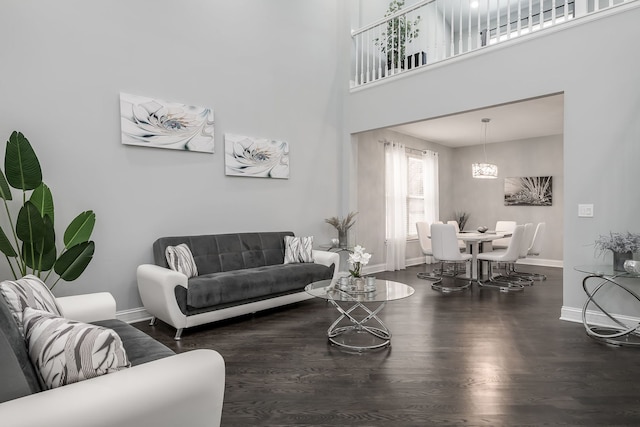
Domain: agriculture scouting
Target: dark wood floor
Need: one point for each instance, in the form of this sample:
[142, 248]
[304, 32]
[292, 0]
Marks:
[477, 358]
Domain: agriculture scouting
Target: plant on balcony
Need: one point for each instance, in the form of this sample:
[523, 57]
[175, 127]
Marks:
[30, 245]
[400, 31]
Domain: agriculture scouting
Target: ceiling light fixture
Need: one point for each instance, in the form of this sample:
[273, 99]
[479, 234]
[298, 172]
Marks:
[485, 170]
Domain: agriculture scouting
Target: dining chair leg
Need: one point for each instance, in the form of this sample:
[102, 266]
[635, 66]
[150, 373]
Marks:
[446, 288]
[435, 275]
[528, 276]
[509, 278]
[502, 286]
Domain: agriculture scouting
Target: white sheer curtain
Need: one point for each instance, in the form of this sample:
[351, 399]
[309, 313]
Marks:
[396, 205]
[430, 186]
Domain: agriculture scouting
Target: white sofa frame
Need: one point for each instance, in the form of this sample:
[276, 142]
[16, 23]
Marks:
[184, 389]
[156, 286]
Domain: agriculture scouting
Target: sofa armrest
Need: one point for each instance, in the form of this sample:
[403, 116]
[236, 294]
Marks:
[88, 307]
[327, 258]
[185, 389]
[157, 290]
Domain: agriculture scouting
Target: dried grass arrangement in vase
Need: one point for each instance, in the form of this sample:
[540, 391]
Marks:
[342, 225]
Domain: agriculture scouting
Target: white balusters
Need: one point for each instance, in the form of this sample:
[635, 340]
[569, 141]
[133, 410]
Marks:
[448, 28]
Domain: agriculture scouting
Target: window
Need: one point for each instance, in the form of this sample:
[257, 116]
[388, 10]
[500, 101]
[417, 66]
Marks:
[415, 194]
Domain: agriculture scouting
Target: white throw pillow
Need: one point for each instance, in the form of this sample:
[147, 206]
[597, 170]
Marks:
[298, 249]
[181, 259]
[29, 291]
[65, 351]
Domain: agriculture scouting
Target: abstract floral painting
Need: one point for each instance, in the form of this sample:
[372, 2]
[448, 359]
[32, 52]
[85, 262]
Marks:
[528, 191]
[255, 157]
[151, 122]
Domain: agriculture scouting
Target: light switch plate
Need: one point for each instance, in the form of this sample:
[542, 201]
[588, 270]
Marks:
[585, 211]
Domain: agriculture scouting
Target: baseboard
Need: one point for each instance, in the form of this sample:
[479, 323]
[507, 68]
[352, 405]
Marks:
[133, 315]
[414, 261]
[595, 318]
[542, 262]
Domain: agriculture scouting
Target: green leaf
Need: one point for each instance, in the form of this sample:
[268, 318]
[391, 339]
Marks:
[43, 200]
[21, 163]
[38, 262]
[73, 262]
[80, 229]
[5, 245]
[30, 225]
[49, 236]
[5, 191]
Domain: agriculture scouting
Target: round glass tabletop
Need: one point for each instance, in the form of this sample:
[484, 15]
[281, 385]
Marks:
[386, 290]
[603, 270]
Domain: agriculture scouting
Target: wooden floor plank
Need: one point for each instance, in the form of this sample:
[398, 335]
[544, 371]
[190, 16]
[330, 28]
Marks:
[476, 358]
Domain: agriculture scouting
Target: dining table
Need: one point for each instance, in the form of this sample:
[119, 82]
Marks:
[476, 243]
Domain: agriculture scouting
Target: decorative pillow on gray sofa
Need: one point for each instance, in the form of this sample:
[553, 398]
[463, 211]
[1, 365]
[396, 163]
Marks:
[180, 259]
[29, 291]
[65, 351]
[298, 249]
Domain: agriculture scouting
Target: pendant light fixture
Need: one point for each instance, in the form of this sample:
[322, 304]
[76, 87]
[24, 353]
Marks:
[485, 170]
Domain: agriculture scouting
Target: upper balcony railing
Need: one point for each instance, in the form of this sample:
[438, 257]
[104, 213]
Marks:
[431, 31]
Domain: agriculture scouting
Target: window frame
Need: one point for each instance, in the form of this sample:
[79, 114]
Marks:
[412, 233]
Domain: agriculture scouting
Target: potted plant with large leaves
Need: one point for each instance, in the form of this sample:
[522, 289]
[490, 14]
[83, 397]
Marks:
[30, 244]
[400, 31]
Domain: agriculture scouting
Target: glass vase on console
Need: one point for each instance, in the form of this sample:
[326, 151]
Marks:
[619, 258]
[342, 239]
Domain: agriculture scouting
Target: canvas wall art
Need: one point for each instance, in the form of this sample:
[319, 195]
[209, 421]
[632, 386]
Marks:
[255, 157]
[528, 191]
[149, 122]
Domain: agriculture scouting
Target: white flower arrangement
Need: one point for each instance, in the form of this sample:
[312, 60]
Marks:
[358, 258]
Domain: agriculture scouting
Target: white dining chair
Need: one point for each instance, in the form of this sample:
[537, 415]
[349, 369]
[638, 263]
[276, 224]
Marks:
[510, 269]
[504, 227]
[461, 244]
[424, 238]
[534, 249]
[445, 250]
[508, 255]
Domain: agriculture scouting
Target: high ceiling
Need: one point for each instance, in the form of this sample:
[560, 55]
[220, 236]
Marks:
[531, 118]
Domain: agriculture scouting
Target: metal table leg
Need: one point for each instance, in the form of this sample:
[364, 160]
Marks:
[623, 334]
[380, 332]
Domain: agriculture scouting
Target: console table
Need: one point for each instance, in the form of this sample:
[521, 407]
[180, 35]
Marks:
[600, 277]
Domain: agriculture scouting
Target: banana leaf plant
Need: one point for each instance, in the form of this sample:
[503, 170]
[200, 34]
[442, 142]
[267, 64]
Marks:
[30, 244]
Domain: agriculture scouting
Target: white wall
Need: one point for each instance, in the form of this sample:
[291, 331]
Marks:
[484, 198]
[268, 69]
[594, 64]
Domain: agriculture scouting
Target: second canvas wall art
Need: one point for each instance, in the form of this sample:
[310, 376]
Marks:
[255, 157]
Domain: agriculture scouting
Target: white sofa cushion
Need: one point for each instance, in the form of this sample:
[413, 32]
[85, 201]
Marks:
[29, 291]
[65, 351]
[180, 259]
[298, 249]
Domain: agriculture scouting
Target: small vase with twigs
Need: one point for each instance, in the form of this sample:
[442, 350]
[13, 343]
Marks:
[342, 225]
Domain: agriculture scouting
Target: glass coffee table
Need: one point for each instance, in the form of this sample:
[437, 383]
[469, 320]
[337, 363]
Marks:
[361, 327]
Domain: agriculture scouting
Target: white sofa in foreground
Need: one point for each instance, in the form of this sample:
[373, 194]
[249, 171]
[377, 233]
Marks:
[184, 389]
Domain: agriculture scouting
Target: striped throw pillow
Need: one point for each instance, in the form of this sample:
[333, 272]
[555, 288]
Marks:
[65, 351]
[298, 249]
[29, 291]
[181, 260]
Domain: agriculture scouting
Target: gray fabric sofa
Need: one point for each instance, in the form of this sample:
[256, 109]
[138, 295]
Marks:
[160, 389]
[239, 273]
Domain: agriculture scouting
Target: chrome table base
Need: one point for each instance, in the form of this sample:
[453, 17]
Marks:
[341, 336]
